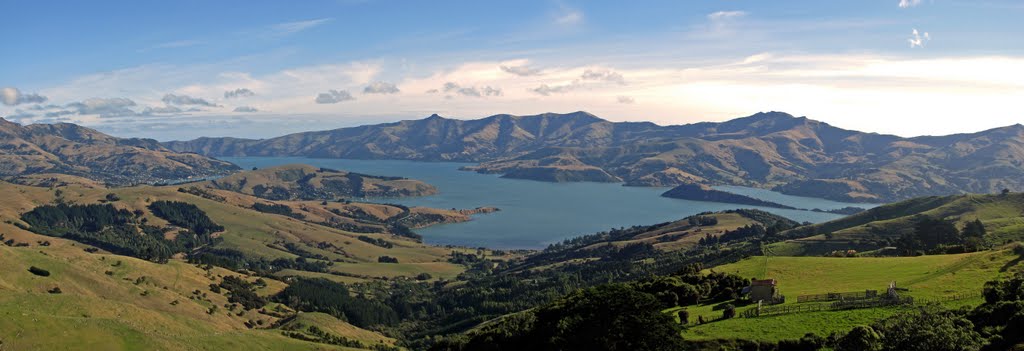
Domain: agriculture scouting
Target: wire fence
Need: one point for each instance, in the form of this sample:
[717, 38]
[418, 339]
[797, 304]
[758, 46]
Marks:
[859, 295]
[850, 304]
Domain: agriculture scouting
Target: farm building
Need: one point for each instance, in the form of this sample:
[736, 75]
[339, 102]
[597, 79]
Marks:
[761, 290]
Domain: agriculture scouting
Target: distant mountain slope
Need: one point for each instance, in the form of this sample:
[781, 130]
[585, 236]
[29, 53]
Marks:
[794, 155]
[304, 182]
[1002, 216]
[70, 149]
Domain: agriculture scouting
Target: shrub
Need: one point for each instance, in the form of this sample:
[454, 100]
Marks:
[729, 311]
[39, 271]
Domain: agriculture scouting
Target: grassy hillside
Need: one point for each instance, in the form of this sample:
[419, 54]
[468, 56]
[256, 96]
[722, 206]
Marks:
[138, 305]
[262, 234]
[927, 277]
[304, 182]
[682, 234]
[1002, 215]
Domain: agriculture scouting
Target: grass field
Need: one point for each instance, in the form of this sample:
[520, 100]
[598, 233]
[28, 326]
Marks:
[119, 311]
[927, 277]
[1002, 215]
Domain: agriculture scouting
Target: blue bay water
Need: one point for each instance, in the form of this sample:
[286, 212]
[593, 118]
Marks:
[533, 213]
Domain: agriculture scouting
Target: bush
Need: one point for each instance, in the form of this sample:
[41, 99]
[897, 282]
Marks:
[729, 311]
[39, 271]
[387, 259]
[55, 290]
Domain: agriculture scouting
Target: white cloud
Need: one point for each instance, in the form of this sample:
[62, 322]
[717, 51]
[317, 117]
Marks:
[334, 96]
[726, 15]
[522, 71]
[172, 99]
[381, 87]
[12, 96]
[909, 3]
[918, 40]
[625, 99]
[569, 17]
[246, 109]
[603, 75]
[238, 93]
[471, 91]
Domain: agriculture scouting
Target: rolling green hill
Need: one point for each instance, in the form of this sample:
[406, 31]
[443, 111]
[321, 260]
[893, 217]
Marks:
[935, 277]
[1002, 216]
[109, 302]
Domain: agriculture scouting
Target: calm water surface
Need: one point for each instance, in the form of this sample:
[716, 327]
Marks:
[534, 214]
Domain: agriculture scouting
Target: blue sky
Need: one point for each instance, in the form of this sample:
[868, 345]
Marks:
[165, 69]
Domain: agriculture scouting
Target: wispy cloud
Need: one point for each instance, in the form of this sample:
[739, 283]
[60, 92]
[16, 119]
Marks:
[176, 44]
[334, 96]
[172, 99]
[569, 17]
[604, 75]
[625, 99]
[238, 93]
[471, 91]
[726, 15]
[522, 71]
[289, 28]
[918, 39]
[12, 96]
[909, 3]
[381, 88]
[246, 109]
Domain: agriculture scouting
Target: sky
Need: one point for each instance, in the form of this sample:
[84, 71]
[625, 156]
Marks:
[175, 70]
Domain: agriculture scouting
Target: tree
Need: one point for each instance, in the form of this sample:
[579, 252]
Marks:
[1006, 192]
[974, 229]
[684, 316]
[928, 329]
[729, 311]
[861, 338]
[609, 317]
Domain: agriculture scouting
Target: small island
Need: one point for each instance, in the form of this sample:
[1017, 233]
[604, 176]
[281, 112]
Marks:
[699, 192]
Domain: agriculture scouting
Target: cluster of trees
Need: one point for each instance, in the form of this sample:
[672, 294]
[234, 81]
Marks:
[702, 221]
[939, 236]
[376, 241]
[187, 216]
[280, 209]
[117, 230]
[322, 295]
[607, 317]
[242, 292]
[236, 260]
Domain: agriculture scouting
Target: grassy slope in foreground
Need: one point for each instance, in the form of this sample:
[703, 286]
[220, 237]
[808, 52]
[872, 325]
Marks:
[97, 311]
[927, 277]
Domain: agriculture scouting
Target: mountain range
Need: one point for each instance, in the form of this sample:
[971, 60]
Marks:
[774, 150]
[69, 149]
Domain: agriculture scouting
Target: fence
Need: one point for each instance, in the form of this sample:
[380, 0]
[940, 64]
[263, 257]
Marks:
[849, 305]
[860, 295]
